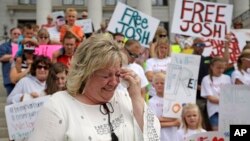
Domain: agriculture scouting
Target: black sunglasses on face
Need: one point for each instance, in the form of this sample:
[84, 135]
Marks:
[131, 54]
[162, 36]
[199, 45]
[41, 66]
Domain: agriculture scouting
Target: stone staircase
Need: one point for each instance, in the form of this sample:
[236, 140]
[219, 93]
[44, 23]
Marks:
[3, 125]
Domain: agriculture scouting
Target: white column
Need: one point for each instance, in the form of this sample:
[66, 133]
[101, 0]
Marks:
[43, 8]
[171, 5]
[95, 12]
[145, 6]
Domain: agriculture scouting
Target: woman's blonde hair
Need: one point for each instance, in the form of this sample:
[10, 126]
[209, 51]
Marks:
[187, 107]
[162, 41]
[97, 52]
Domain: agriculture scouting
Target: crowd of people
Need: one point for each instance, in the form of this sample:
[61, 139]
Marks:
[106, 87]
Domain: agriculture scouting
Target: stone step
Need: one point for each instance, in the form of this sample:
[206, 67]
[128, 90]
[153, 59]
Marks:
[2, 107]
[4, 132]
[4, 139]
[3, 122]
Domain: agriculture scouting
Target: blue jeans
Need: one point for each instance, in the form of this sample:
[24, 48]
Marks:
[9, 88]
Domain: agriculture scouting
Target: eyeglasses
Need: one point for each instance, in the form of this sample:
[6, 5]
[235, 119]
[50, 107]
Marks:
[133, 55]
[162, 36]
[199, 45]
[41, 66]
[50, 19]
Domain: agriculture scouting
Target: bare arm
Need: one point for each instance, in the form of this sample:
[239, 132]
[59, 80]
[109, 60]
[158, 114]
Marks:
[134, 90]
[213, 99]
[6, 58]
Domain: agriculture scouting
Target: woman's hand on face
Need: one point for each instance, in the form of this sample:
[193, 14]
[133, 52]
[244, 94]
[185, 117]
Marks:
[133, 80]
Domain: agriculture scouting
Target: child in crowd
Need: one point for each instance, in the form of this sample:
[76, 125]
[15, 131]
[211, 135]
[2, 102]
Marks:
[26, 42]
[191, 122]
[211, 88]
[169, 126]
[56, 80]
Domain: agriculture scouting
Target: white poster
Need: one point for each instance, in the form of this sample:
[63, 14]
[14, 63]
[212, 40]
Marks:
[21, 117]
[86, 25]
[133, 24]
[202, 19]
[234, 107]
[180, 83]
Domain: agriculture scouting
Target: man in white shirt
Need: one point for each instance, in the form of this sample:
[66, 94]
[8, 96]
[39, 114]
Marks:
[133, 50]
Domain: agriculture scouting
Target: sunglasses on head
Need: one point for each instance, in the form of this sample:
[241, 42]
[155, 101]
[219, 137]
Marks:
[41, 66]
[131, 54]
[199, 45]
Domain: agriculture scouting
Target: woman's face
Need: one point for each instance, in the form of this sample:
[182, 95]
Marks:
[61, 80]
[43, 39]
[101, 85]
[42, 72]
[162, 50]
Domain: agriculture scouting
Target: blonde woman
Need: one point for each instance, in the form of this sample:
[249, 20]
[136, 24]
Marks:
[159, 62]
[92, 108]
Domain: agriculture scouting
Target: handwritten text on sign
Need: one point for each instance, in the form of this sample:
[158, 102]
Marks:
[202, 19]
[133, 24]
[180, 83]
[21, 117]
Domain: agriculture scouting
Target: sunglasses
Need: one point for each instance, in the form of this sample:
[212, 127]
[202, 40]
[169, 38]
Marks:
[122, 42]
[162, 36]
[41, 66]
[199, 45]
[43, 37]
[131, 54]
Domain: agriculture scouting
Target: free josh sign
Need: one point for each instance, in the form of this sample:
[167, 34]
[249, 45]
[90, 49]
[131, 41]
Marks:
[133, 24]
[202, 19]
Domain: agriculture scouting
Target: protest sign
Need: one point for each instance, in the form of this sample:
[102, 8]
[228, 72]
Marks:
[202, 19]
[86, 25]
[234, 107]
[21, 117]
[216, 47]
[206, 136]
[180, 83]
[133, 24]
[56, 14]
[46, 50]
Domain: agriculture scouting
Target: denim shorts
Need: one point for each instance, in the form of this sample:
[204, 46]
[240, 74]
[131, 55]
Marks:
[214, 119]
